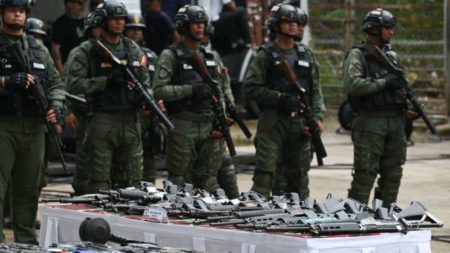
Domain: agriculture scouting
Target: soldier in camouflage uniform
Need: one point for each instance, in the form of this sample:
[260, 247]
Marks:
[227, 173]
[378, 131]
[134, 29]
[191, 148]
[279, 182]
[76, 114]
[22, 126]
[112, 140]
[36, 27]
[282, 137]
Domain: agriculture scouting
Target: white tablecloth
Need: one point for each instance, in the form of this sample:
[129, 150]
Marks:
[61, 225]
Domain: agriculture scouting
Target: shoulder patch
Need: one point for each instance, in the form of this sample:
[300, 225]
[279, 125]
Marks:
[75, 66]
[163, 72]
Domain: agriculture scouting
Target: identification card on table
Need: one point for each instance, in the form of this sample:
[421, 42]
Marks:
[159, 214]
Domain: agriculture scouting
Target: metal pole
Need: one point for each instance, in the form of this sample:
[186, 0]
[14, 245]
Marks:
[349, 24]
[307, 34]
[447, 53]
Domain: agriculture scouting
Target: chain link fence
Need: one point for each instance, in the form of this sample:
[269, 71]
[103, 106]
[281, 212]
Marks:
[418, 39]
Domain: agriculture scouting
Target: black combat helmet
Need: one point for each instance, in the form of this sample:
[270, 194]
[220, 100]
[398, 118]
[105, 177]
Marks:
[17, 3]
[109, 9]
[209, 30]
[88, 23]
[302, 17]
[282, 12]
[35, 26]
[189, 14]
[376, 19]
[135, 20]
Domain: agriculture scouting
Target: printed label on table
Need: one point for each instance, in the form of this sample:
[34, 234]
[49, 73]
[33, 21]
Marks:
[159, 214]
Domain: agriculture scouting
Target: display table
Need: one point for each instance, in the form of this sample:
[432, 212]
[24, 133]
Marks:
[61, 223]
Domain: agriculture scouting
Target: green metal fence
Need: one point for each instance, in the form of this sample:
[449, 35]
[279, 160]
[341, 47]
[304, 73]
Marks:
[419, 40]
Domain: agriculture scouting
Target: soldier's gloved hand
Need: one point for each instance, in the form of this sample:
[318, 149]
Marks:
[116, 79]
[392, 83]
[289, 103]
[201, 92]
[59, 113]
[17, 81]
[55, 115]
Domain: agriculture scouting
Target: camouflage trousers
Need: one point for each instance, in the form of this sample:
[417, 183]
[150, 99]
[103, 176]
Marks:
[81, 178]
[227, 174]
[21, 164]
[280, 143]
[113, 148]
[150, 135]
[379, 149]
[191, 151]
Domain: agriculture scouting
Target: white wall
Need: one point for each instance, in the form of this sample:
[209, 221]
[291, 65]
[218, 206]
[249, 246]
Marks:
[133, 6]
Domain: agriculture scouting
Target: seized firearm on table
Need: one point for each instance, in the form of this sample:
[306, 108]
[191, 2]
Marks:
[291, 78]
[197, 64]
[408, 92]
[98, 200]
[106, 54]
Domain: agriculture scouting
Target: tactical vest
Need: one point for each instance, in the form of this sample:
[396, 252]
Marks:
[301, 63]
[114, 99]
[384, 100]
[186, 75]
[18, 102]
[151, 63]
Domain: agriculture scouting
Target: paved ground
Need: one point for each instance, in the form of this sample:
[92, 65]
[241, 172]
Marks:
[426, 177]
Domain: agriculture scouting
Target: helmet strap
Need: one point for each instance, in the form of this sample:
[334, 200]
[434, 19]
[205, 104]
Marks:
[295, 37]
[15, 27]
[187, 33]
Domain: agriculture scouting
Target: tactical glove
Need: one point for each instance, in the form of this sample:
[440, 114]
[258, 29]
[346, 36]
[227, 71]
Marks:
[201, 92]
[16, 81]
[116, 79]
[392, 83]
[289, 103]
[59, 113]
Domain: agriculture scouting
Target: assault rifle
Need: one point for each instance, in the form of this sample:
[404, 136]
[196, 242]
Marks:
[291, 78]
[141, 197]
[197, 64]
[98, 200]
[366, 221]
[40, 97]
[391, 66]
[106, 54]
[231, 110]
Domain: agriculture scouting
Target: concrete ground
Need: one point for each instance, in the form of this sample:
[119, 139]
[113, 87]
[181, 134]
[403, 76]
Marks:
[426, 176]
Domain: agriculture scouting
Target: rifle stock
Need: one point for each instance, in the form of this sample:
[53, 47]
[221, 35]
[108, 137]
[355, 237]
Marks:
[137, 87]
[41, 100]
[197, 64]
[291, 78]
[406, 87]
